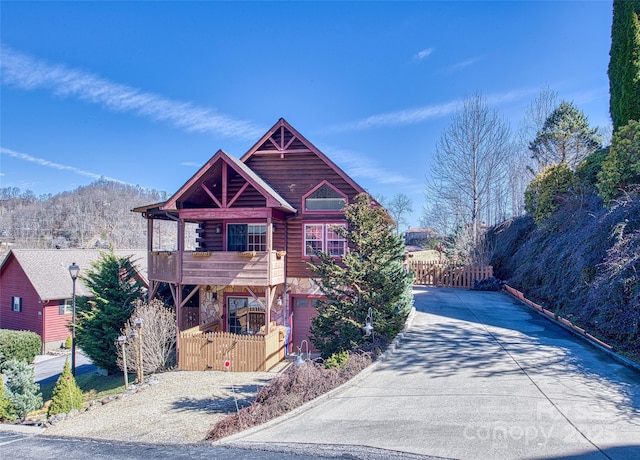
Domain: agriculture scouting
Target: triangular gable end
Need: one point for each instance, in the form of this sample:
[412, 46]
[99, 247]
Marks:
[283, 138]
[211, 184]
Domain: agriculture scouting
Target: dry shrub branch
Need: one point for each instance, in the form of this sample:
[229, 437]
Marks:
[297, 385]
[158, 338]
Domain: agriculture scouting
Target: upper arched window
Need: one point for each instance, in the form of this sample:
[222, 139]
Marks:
[324, 198]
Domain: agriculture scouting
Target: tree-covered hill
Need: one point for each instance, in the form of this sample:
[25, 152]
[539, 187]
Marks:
[96, 215]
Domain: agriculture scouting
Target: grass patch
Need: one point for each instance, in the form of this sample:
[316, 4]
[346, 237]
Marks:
[93, 386]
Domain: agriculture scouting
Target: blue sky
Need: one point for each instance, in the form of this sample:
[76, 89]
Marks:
[146, 92]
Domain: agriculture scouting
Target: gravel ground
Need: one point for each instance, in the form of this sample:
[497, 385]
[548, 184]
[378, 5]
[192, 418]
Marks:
[180, 408]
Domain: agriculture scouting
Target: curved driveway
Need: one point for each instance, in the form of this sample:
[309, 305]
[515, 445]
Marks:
[477, 376]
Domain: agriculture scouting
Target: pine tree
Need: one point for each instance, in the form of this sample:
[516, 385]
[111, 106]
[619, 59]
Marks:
[67, 395]
[115, 287]
[371, 275]
[565, 137]
[624, 63]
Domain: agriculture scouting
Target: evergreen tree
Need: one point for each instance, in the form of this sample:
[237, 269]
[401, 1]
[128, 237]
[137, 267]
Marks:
[370, 275]
[565, 137]
[67, 395]
[621, 167]
[115, 287]
[21, 389]
[624, 63]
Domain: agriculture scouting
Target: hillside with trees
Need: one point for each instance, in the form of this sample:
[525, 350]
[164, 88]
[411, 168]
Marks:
[93, 216]
[577, 251]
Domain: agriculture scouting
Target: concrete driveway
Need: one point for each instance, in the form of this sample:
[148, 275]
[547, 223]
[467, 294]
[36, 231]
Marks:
[478, 376]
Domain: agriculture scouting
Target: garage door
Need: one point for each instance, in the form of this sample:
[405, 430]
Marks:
[303, 312]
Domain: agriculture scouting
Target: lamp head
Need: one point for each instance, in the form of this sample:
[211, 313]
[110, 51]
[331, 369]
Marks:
[74, 270]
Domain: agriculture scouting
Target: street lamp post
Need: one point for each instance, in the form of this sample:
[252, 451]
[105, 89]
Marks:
[74, 270]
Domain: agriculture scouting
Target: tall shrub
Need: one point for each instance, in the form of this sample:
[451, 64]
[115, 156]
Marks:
[116, 288]
[624, 63]
[67, 395]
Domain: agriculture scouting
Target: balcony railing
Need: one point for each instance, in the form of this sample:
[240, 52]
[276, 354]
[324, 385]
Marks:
[218, 268]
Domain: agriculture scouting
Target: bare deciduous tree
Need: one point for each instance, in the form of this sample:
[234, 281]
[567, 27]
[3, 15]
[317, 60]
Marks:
[400, 206]
[469, 172]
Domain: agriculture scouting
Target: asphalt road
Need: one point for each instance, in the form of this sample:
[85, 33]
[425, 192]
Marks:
[477, 376]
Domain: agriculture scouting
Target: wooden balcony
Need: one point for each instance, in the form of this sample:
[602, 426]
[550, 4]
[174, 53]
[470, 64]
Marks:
[218, 268]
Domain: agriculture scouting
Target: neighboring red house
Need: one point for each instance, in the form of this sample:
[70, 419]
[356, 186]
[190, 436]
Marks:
[245, 232]
[36, 289]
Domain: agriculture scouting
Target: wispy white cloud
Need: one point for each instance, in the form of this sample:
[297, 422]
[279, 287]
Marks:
[420, 114]
[360, 166]
[422, 54]
[190, 164]
[401, 117]
[58, 166]
[28, 73]
[461, 65]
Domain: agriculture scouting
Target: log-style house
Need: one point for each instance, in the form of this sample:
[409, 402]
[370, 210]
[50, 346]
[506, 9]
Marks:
[244, 231]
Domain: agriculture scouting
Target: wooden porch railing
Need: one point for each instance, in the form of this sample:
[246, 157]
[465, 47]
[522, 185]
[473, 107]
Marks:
[431, 273]
[245, 353]
[219, 268]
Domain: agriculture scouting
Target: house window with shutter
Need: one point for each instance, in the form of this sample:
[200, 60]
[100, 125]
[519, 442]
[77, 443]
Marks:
[16, 303]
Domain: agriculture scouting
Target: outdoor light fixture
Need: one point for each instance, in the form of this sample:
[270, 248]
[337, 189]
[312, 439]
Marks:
[218, 228]
[74, 270]
[300, 360]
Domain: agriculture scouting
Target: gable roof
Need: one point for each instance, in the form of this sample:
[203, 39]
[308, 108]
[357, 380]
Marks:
[283, 139]
[48, 269]
[273, 198]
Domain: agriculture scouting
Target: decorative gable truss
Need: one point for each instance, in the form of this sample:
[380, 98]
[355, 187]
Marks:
[225, 186]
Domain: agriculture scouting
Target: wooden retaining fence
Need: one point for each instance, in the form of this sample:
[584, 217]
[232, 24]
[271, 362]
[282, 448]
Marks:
[433, 273]
[201, 351]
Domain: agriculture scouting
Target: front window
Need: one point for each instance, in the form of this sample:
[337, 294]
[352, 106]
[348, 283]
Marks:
[323, 238]
[245, 315]
[247, 237]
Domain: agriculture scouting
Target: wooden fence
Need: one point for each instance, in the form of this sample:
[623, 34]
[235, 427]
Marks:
[201, 351]
[433, 273]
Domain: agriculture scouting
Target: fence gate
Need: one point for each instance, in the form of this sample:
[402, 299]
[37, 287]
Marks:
[433, 273]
